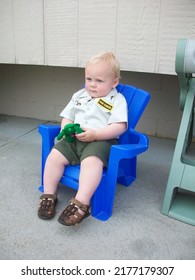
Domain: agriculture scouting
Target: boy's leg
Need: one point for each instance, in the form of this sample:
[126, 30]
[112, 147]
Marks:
[90, 176]
[54, 169]
[93, 158]
[89, 179]
[61, 155]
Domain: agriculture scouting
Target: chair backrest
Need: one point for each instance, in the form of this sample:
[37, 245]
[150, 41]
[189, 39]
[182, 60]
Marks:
[137, 100]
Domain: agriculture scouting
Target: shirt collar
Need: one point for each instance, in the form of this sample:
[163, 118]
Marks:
[110, 95]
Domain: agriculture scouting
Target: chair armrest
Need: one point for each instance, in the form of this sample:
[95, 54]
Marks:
[49, 132]
[125, 151]
[139, 145]
[138, 137]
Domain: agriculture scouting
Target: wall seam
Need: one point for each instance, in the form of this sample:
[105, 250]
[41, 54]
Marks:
[78, 12]
[12, 6]
[158, 39]
[116, 31]
[44, 34]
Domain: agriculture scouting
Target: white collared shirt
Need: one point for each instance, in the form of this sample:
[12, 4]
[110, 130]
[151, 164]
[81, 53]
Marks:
[96, 112]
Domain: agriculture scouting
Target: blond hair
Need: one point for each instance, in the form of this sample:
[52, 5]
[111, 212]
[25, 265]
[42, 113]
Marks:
[107, 57]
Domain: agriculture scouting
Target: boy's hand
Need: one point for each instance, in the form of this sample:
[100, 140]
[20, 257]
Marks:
[89, 135]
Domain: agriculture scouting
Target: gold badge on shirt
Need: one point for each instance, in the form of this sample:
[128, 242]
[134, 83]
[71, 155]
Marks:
[105, 105]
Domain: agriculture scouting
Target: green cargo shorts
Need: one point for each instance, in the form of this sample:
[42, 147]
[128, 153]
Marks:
[77, 151]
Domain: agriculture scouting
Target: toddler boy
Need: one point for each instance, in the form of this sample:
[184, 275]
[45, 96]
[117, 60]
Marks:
[101, 112]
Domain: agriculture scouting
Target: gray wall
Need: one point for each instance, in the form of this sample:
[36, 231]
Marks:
[42, 92]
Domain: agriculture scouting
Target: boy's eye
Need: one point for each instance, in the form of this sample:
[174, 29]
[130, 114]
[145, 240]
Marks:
[96, 81]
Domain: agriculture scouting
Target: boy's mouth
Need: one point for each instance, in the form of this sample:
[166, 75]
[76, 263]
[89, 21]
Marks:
[93, 90]
[93, 93]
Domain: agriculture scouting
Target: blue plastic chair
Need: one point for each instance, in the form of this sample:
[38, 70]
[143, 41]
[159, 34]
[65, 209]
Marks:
[123, 157]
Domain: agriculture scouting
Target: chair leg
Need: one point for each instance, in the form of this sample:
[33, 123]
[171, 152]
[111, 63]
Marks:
[103, 199]
[97, 204]
[48, 134]
[127, 172]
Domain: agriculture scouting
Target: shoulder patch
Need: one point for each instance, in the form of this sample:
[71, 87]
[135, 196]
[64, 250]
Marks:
[105, 105]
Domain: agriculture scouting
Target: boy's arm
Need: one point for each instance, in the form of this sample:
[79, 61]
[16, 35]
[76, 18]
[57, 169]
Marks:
[64, 122]
[111, 131]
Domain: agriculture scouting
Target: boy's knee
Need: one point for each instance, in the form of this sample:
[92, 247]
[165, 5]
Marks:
[93, 160]
[56, 156]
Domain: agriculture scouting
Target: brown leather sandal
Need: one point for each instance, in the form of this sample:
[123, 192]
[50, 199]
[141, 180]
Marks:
[47, 206]
[71, 215]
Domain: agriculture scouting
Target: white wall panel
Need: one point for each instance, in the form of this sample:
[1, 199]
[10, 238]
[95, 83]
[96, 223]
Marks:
[143, 33]
[177, 20]
[97, 28]
[61, 32]
[28, 31]
[137, 34]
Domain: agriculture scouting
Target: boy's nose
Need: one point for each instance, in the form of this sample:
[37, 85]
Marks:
[93, 84]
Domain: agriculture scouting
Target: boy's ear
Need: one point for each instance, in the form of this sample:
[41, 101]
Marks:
[116, 82]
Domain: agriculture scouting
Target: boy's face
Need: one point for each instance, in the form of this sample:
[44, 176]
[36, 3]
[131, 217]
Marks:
[99, 79]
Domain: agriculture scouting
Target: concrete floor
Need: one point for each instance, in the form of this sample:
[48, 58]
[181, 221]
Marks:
[137, 229]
